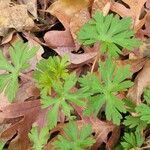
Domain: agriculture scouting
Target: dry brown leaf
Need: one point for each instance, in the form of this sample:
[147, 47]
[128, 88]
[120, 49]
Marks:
[146, 31]
[142, 80]
[148, 4]
[77, 22]
[21, 116]
[27, 91]
[135, 11]
[102, 5]
[101, 129]
[56, 39]
[75, 58]
[14, 16]
[31, 6]
[145, 48]
[136, 64]
[64, 10]
[3, 100]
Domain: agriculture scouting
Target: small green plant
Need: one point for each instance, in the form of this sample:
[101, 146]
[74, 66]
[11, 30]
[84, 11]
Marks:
[104, 92]
[63, 99]
[132, 140]
[142, 118]
[112, 33]
[2, 145]
[20, 54]
[75, 138]
[49, 71]
[39, 139]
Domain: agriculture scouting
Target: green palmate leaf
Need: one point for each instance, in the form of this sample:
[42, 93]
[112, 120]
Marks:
[20, 54]
[130, 105]
[132, 140]
[103, 92]
[74, 138]
[2, 145]
[147, 95]
[49, 71]
[144, 112]
[63, 99]
[135, 122]
[110, 31]
[39, 139]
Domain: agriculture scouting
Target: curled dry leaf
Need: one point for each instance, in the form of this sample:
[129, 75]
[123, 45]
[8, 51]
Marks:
[14, 16]
[146, 31]
[142, 80]
[134, 11]
[21, 116]
[73, 15]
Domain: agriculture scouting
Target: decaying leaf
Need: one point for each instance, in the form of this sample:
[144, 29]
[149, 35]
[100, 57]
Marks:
[75, 58]
[134, 11]
[13, 16]
[142, 80]
[21, 116]
[56, 39]
[31, 6]
[64, 10]
[102, 5]
[77, 22]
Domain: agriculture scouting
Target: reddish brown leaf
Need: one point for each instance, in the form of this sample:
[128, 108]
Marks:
[27, 113]
[56, 39]
[75, 58]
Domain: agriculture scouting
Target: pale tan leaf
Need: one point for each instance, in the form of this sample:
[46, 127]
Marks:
[142, 80]
[135, 11]
[13, 16]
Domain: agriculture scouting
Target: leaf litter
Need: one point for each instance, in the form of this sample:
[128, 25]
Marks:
[58, 28]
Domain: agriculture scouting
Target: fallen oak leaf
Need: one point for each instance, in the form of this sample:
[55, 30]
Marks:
[134, 11]
[142, 80]
[24, 111]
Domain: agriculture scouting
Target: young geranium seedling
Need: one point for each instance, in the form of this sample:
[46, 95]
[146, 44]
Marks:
[103, 93]
[132, 140]
[63, 99]
[142, 118]
[74, 138]
[112, 33]
[39, 139]
[20, 54]
[49, 71]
